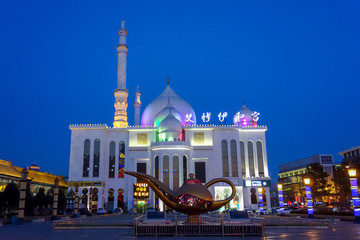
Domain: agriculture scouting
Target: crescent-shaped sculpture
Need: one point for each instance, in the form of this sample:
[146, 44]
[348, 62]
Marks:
[192, 198]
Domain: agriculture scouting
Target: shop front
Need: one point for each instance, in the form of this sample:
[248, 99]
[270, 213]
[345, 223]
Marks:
[141, 197]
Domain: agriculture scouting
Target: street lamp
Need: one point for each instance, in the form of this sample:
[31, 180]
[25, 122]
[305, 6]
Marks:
[354, 194]
[23, 185]
[281, 199]
[261, 200]
[308, 197]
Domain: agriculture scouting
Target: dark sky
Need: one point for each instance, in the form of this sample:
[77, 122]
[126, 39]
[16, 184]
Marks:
[297, 63]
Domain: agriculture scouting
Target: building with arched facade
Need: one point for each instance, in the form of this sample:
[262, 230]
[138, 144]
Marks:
[167, 142]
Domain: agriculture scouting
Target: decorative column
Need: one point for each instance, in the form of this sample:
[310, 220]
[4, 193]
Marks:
[23, 185]
[121, 93]
[137, 106]
[308, 198]
[260, 190]
[76, 207]
[90, 200]
[354, 194]
[281, 199]
[55, 199]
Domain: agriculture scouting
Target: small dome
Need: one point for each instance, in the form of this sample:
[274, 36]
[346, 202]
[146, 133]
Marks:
[170, 124]
[188, 116]
[246, 117]
[163, 114]
[34, 167]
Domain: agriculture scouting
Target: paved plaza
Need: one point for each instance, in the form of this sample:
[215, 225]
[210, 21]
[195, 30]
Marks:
[40, 231]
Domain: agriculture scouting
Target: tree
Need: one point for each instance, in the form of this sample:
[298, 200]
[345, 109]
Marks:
[320, 187]
[40, 200]
[342, 184]
[11, 194]
[61, 202]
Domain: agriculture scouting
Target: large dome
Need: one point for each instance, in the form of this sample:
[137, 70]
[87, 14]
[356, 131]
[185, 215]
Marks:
[159, 103]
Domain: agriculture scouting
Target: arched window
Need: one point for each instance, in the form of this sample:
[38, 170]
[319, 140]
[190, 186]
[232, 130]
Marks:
[175, 172]
[242, 158]
[157, 176]
[184, 168]
[166, 178]
[86, 164]
[112, 160]
[157, 167]
[260, 158]
[234, 164]
[96, 158]
[225, 158]
[251, 158]
[121, 159]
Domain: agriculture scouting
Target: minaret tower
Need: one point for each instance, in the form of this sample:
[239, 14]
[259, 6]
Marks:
[121, 93]
[137, 106]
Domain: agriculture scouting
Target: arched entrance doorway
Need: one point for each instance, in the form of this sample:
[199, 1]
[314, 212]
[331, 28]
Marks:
[111, 200]
[120, 200]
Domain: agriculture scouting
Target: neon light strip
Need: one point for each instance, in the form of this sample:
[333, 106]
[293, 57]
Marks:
[170, 148]
[355, 196]
[309, 200]
[281, 201]
[261, 202]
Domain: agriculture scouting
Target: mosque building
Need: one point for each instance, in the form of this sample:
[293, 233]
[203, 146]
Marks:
[169, 143]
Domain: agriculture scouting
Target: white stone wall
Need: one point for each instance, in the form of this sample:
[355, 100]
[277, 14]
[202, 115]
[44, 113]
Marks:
[209, 152]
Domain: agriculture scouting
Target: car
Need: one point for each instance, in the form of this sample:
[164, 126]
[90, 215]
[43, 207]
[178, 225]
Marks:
[100, 211]
[118, 211]
[133, 211]
[151, 209]
[216, 212]
[83, 211]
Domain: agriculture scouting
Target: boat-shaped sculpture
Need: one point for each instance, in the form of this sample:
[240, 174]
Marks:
[192, 198]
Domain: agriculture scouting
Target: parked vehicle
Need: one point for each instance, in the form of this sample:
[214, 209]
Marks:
[118, 210]
[133, 211]
[216, 212]
[151, 209]
[100, 211]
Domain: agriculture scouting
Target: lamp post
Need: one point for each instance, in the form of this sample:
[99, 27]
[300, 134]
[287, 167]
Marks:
[281, 199]
[354, 194]
[55, 199]
[308, 198]
[23, 183]
[76, 207]
[261, 200]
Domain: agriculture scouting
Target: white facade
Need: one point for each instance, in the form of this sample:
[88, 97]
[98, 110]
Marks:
[236, 152]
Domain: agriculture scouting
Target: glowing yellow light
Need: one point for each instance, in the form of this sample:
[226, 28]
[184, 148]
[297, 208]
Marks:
[279, 186]
[260, 190]
[352, 172]
[307, 181]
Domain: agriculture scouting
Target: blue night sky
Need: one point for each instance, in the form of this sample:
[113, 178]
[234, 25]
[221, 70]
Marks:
[297, 63]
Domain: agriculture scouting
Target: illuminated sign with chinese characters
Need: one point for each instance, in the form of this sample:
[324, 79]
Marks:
[222, 116]
[188, 118]
[257, 183]
[206, 117]
[141, 190]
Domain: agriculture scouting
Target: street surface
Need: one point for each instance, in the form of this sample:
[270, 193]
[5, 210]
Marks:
[42, 231]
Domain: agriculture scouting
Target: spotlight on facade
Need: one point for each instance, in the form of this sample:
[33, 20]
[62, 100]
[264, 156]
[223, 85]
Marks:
[354, 193]
[308, 197]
